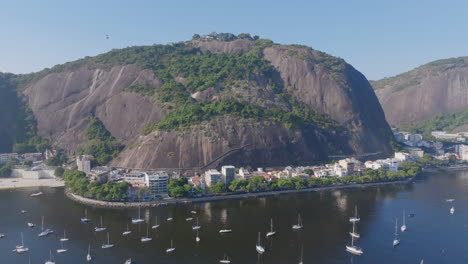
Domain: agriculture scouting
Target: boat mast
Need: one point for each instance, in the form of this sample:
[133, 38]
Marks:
[271, 225]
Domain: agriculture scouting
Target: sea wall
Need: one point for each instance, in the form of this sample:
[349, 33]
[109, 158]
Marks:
[117, 205]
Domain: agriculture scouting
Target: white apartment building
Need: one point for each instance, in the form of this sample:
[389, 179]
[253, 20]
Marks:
[84, 163]
[228, 174]
[157, 182]
[212, 177]
[5, 157]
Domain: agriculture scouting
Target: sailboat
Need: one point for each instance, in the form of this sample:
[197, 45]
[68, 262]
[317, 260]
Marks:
[197, 238]
[354, 249]
[301, 261]
[354, 233]
[138, 220]
[146, 238]
[36, 194]
[169, 219]
[2, 235]
[260, 249]
[299, 223]
[171, 249]
[51, 259]
[21, 248]
[100, 229]
[452, 210]
[271, 233]
[396, 240]
[225, 260]
[128, 261]
[155, 223]
[88, 256]
[85, 219]
[44, 232]
[31, 225]
[196, 227]
[108, 245]
[193, 212]
[189, 219]
[403, 227]
[127, 232]
[223, 231]
[62, 249]
[64, 238]
[355, 218]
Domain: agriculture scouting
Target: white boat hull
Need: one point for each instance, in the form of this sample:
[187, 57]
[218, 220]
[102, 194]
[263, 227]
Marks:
[145, 239]
[396, 242]
[223, 231]
[105, 246]
[62, 250]
[126, 233]
[155, 226]
[260, 249]
[196, 227]
[100, 229]
[355, 235]
[403, 228]
[354, 250]
[169, 250]
[269, 234]
[137, 221]
[296, 227]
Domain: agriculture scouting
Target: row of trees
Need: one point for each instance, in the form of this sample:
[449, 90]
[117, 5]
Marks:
[77, 182]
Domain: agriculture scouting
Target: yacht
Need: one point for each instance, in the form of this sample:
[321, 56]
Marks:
[222, 231]
[272, 232]
[62, 249]
[21, 248]
[31, 225]
[355, 218]
[403, 227]
[155, 223]
[138, 220]
[354, 249]
[88, 256]
[85, 219]
[108, 245]
[169, 219]
[396, 240]
[197, 226]
[127, 232]
[354, 233]
[452, 210]
[189, 219]
[100, 229]
[225, 260]
[299, 223]
[36, 194]
[64, 238]
[51, 259]
[171, 249]
[260, 249]
[44, 232]
[146, 238]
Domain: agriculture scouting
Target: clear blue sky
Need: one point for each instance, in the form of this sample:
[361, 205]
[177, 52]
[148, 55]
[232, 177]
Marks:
[378, 37]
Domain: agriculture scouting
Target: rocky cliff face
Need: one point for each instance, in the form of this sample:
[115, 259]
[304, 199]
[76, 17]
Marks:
[63, 100]
[439, 87]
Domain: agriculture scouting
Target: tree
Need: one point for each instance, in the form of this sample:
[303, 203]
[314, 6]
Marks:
[219, 187]
[257, 184]
[27, 163]
[238, 185]
[59, 171]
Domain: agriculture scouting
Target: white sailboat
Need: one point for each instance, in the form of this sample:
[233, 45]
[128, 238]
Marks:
[272, 232]
[189, 219]
[396, 240]
[197, 226]
[62, 249]
[2, 235]
[223, 231]
[51, 259]
[403, 227]
[36, 194]
[169, 219]
[354, 249]
[138, 220]
[193, 212]
[64, 238]
[452, 210]
[100, 229]
[171, 249]
[355, 218]
[155, 223]
[88, 256]
[354, 233]
[85, 219]
[260, 249]
[197, 238]
[31, 225]
[146, 238]
[225, 260]
[299, 223]
[21, 248]
[44, 232]
[128, 261]
[108, 245]
[450, 200]
[127, 232]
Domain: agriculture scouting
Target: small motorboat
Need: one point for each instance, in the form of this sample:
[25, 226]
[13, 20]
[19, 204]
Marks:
[36, 194]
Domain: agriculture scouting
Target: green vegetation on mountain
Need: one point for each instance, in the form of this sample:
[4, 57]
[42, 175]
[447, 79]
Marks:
[77, 183]
[101, 145]
[445, 122]
[18, 130]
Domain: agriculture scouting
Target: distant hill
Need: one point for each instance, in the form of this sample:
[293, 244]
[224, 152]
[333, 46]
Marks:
[439, 87]
[214, 100]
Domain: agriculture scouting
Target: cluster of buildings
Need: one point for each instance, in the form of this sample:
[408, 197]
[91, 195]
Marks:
[455, 137]
[34, 157]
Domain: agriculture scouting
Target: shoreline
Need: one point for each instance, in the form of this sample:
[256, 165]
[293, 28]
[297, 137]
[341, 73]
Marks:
[19, 183]
[173, 201]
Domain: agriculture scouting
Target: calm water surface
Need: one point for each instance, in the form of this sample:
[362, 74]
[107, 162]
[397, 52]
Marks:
[433, 234]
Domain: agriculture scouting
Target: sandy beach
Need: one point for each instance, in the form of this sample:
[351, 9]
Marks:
[13, 183]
